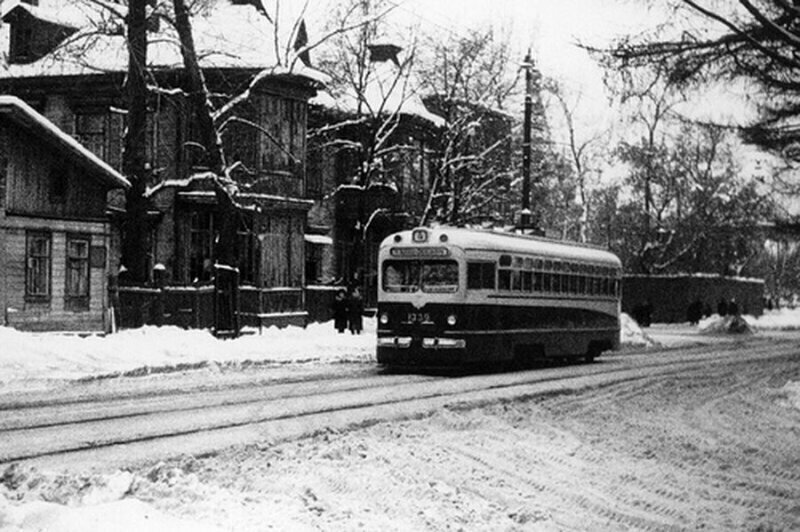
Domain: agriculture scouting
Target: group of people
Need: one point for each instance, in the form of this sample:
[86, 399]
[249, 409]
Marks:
[348, 311]
[698, 310]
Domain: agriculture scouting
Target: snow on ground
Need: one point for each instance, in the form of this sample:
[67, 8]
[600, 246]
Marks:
[104, 504]
[32, 357]
[36, 356]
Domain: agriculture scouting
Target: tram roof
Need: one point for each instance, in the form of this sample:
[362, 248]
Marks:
[502, 242]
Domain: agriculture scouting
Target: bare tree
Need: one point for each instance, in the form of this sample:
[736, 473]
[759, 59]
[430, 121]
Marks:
[471, 80]
[754, 42]
[374, 126]
[585, 152]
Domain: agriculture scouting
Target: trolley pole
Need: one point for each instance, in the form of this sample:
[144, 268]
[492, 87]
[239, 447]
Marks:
[525, 214]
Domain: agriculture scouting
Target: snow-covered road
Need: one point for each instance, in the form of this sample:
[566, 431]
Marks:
[710, 443]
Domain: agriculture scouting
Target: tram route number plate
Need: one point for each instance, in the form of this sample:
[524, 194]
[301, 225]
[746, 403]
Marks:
[418, 318]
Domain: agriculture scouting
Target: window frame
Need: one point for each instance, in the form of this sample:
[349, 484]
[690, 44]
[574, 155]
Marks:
[201, 237]
[80, 265]
[37, 270]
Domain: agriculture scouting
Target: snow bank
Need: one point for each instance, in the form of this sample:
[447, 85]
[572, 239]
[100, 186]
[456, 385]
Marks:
[126, 515]
[777, 320]
[28, 356]
[95, 503]
[727, 324]
[772, 320]
[632, 334]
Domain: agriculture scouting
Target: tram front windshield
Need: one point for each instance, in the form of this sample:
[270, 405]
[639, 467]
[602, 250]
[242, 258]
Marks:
[433, 276]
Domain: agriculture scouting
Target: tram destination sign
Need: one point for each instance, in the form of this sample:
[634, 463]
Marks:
[419, 251]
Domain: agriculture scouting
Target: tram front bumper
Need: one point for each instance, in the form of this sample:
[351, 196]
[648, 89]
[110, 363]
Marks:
[426, 351]
[404, 342]
[444, 343]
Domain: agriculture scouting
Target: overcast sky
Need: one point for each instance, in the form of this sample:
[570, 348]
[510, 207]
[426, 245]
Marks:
[550, 28]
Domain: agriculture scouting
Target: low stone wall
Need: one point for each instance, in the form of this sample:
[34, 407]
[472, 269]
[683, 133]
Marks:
[669, 296]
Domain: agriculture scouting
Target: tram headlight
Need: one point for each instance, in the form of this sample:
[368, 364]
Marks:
[451, 320]
[384, 318]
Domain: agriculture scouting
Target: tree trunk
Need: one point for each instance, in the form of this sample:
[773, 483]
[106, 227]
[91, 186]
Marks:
[227, 211]
[135, 228]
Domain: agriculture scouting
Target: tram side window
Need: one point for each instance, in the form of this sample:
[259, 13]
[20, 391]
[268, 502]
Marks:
[480, 275]
[527, 281]
[504, 279]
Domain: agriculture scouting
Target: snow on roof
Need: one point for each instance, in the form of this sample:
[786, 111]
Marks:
[387, 91]
[26, 116]
[226, 36]
[69, 15]
[318, 239]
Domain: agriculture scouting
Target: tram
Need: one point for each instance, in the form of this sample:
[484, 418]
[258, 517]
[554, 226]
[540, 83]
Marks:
[452, 297]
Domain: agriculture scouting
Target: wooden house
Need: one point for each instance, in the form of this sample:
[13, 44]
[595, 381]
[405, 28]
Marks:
[54, 227]
[78, 83]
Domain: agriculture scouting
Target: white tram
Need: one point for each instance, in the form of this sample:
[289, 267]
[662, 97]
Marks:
[452, 296]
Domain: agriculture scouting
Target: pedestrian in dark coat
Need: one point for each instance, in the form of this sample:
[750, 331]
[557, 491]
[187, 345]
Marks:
[695, 312]
[355, 312]
[339, 308]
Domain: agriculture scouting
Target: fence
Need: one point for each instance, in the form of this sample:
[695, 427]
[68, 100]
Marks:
[667, 297]
[193, 307]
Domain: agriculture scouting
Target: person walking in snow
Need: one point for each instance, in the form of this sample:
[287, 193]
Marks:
[339, 308]
[355, 312]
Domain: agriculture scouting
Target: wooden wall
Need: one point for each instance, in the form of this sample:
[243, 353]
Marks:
[30, 203]
[32, 168]
[51, 315]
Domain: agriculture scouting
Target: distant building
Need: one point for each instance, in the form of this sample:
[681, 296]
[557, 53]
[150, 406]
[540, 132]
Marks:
[57, 238]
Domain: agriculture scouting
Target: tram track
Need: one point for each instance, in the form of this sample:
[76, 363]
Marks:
[202, 421]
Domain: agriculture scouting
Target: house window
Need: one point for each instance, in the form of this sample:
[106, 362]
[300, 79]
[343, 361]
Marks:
[77, 272]
[283, 141]
[248, 252]
[201, 241]
[241, 138]
[22, 39]
[90, 130]
[37, 266]
[314, 256]
[314, 170]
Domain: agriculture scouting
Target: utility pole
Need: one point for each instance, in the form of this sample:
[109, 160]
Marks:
[525, 214]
